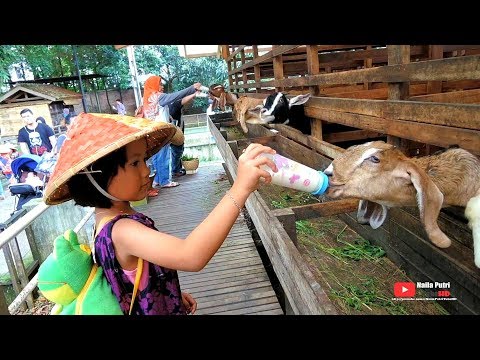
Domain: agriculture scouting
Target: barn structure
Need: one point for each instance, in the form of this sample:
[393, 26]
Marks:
[421, 98]
[44, 100]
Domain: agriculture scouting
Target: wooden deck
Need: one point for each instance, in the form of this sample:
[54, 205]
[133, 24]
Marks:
[235, 280]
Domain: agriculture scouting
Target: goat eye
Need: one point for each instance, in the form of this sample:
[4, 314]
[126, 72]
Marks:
[374, 159]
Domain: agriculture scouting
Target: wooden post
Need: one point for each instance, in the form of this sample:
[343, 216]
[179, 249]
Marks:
[278, 68]
[234, 66]
[224, 134]
[229, 65]
[22, 272]
[3, 304]
[367, 63]
[229, 175]
[244, 71]
[398, 54]
[234, 146]
[224, 49]
[434, 52]
[256, 68]
[313, 68]
[287, 218]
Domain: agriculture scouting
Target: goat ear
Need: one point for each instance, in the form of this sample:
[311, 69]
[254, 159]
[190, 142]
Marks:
[255, 111]
[299, 100]
[429, 201]
[371, 213]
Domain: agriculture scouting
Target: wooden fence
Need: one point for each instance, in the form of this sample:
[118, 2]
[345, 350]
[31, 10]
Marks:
[420, 98]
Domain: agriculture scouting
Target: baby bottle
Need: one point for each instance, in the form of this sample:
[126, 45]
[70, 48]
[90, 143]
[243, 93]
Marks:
[203, 92]
[297, 176]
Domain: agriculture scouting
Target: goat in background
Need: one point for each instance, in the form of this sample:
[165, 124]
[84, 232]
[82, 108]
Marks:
[276, 108]
[382, 177]
[220, 98]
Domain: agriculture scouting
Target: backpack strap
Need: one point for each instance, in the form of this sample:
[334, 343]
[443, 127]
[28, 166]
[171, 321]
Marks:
[103, 221]
[83, 292]
[137, 282]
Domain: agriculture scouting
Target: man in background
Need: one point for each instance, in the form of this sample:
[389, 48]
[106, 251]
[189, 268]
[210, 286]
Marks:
[175, 109]
[35, 137]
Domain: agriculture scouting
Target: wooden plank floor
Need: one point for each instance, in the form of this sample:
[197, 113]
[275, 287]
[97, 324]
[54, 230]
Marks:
[235, 280]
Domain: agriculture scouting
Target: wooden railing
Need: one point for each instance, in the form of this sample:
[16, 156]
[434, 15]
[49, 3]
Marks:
[18, 274]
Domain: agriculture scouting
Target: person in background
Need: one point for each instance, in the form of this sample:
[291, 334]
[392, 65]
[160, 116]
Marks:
[41, 119]
[2, 192]
[175, 109]
[155, 107]
[61, 138]
[35, 137]
[120, 107]
[66, 116]
[5, 166]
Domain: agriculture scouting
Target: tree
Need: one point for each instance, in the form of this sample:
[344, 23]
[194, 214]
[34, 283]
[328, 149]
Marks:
[46, 61]
[7, 58]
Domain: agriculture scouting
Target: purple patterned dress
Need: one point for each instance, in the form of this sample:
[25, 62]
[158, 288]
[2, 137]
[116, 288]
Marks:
[162, 295]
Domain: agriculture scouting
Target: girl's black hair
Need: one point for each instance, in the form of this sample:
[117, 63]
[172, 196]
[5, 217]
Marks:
[82, 190]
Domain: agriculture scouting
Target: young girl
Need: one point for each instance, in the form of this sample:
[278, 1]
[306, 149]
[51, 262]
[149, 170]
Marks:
[114, 172]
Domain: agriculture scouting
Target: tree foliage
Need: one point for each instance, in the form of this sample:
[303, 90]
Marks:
[47, 61]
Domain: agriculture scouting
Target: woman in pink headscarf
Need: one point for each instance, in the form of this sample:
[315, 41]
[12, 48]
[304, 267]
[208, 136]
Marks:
[155, 107]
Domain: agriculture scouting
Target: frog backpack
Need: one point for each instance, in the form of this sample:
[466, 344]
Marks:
[70, 279]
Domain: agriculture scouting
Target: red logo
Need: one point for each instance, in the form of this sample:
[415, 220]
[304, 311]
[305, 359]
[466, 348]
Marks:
[404, 289]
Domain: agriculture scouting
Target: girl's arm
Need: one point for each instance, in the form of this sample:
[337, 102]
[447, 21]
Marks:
[133, 240]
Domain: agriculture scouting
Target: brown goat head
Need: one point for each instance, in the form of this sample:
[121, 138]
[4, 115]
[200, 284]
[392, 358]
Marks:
[220, 97]
[382, 177]
[247, 108]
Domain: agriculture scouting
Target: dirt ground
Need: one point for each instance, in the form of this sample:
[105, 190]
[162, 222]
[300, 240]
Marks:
[356, 276]
[41, 306]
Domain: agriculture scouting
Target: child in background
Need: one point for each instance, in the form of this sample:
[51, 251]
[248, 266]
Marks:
[120, 107]
[6, 158]
[5, 166]
[115, 173]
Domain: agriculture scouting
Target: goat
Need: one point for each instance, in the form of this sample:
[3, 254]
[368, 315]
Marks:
[247, 109]
[382, 177]
[220, 98]
[276, 108]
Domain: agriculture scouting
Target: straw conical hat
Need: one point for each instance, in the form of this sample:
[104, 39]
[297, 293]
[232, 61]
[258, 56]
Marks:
[178, 138]
[93, 136]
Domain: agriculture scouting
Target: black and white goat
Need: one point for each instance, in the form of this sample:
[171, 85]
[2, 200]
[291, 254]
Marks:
[279, 110]
[276, 109]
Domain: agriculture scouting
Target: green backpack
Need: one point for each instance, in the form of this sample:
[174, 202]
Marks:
[70, 279]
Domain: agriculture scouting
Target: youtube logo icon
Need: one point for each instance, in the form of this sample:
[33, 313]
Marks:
[404, 289]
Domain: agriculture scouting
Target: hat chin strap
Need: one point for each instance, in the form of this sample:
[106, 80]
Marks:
[103, 192]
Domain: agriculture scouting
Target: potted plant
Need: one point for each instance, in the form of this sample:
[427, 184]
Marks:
[190, 164]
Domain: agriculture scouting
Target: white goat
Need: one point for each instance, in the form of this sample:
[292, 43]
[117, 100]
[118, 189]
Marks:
[382, 177]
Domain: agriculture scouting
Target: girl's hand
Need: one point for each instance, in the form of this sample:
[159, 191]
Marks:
[249, 167]
[197, 86]
[189, 302]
